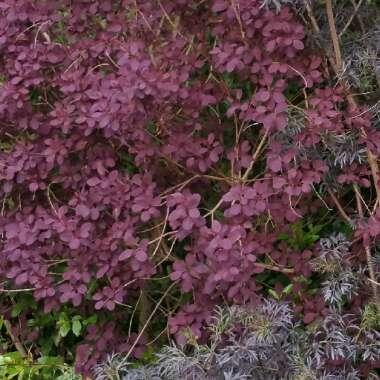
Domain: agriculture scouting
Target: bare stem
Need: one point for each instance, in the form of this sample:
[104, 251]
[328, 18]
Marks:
[367, 249]
[16, 342]
[372, 159]
[353, 14]
[339, 207]
[148, 320]
[145, 309]
[334, 34]
[312, 17]
[255, 155]
[274, 268]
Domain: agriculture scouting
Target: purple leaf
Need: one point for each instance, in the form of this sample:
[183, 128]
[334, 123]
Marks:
[94, 181]
[82, 210]
[275, 164]
[219, 6]
[278, 182]
[74, 243]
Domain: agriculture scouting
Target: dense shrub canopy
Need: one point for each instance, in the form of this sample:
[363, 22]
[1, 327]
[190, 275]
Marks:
[173, 153]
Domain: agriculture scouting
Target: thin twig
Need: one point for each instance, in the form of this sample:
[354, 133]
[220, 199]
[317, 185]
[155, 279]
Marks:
[162, 233]
[133, 314]
[16, 342]
[367, 249]
[312, 17]
[353, 14]
[212, 211]
[170, 233]
[50, 201]
[321, 198]
[168, 254]
[367, 110]
[363, 201]
[334, 34]
[238, 18]
[255, 155]
[274, 268]
[339, 207]
[361, 23]
[372, 160]
[148, 320]
[172, 24]
[300, 74]
[144, 310]
[374, 282]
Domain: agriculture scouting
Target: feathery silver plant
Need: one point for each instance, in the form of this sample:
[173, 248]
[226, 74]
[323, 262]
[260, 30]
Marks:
[352, 375]
[298, 5]
[265, 343]
[334, 337]
[275, 4]
[344, 150]
[338, 287]
[173, 363]
[335, 246]
[361, 53]
[342, 282]
[371, 345]
[339, 150]
[295, 124]
[112, 368]
[141, 373]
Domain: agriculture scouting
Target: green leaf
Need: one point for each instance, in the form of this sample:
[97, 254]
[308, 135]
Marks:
[10, 357]
[17, 309]
[64, 325]
[273, 294]
[288, 289]
[76, 327]
[57, 338]
[91, 320]
[283, 237]
[15, 371]
[50, 360]
[64, 329]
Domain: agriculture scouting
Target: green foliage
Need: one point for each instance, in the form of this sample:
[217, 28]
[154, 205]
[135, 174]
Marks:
[304, 235]
[22, 303]
[56, 330]
[126, 163]
[285, 292]
[74, 324]
[371, 317]
[14, 366]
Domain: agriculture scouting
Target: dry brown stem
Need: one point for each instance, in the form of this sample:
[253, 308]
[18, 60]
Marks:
[339, 207]
[16, 342]
[367, 248]
[372, 159]
[338, 67]
[274, 268]
[255, 155]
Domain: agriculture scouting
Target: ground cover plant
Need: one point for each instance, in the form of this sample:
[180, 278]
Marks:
[168, 165]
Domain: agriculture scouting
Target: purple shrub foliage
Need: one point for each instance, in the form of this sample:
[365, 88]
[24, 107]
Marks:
[116, 117]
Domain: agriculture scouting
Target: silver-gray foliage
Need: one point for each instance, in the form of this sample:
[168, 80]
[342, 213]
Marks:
[342, 281]
[262, 343]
